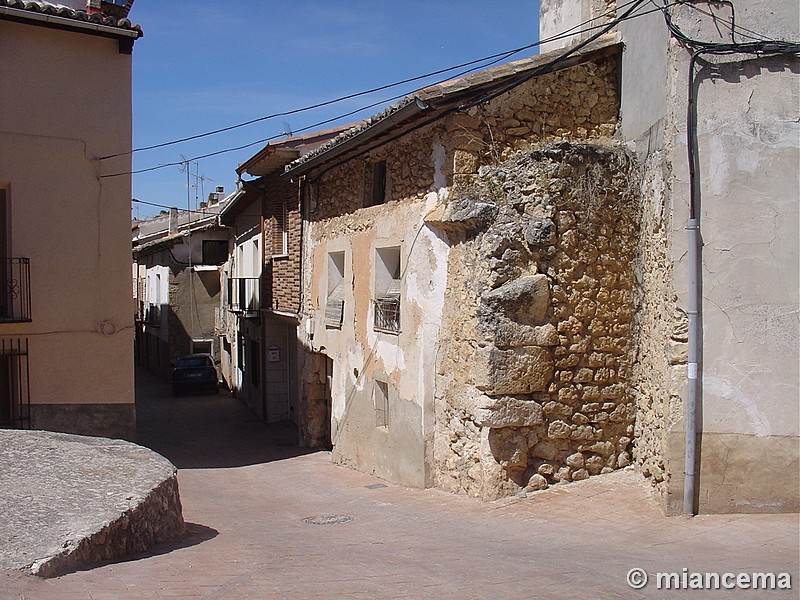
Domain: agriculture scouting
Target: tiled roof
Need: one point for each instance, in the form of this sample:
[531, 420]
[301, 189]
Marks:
[38, 9]
[456, 90]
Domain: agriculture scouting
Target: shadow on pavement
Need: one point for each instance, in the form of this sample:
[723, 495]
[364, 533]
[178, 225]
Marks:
[207, 432]
[195, 535]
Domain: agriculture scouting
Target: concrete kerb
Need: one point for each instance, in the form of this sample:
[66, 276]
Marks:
[72, 501]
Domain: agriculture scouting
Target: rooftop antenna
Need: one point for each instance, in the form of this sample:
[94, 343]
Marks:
[199, 180]
[288, 129]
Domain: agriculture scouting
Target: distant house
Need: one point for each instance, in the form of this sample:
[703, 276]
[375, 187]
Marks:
[66, 328]
[258, 318]
[178, 258]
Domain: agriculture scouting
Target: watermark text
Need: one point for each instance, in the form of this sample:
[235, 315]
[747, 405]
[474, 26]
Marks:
[690, 580]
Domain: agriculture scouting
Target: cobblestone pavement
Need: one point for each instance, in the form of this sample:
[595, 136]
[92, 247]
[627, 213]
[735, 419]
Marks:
[269, 521]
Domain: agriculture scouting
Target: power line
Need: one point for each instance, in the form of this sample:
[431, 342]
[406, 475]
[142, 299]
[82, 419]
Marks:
[497, 58]
[318, 105]
[472, 63]
[199, 212]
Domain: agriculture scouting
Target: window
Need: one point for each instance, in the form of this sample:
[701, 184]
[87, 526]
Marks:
[380, 398]
[387, 289]
[376, 183]
[215, 252]
[334, 304]
[203, 347]
[279, 233]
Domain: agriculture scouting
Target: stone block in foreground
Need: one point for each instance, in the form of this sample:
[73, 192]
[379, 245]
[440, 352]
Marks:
[72, 501]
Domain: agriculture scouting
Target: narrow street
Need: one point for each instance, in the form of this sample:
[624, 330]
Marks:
[268, 520]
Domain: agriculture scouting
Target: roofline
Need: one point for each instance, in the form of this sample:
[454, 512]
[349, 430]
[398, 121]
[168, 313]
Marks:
[437, 101]
[204, 224]
[412, 108]
[300, 140]
[235, 198]
[126, 37]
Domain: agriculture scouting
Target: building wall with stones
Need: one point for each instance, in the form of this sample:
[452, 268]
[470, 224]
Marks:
[518, 228]
[541, 298]
[747, 148]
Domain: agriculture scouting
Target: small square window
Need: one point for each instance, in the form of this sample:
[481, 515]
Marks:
[215, 252]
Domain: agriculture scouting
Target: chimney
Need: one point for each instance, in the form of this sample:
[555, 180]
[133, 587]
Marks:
[216, 196]
[117, 9]
[173, 220]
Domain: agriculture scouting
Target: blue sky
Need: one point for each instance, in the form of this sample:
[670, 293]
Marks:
[206, 64]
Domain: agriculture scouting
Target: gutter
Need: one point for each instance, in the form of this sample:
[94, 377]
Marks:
[46, 20]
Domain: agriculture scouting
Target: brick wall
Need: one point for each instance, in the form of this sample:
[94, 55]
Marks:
[282, 275]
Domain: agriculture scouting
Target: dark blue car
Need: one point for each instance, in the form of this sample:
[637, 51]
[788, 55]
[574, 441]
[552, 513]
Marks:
[195, 373]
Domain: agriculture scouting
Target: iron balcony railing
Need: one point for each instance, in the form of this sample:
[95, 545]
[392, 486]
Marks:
[244, 295]
[15, 296]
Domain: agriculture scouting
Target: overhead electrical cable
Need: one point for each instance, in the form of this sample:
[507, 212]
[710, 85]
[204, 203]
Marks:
[497, 58]
[472, 63]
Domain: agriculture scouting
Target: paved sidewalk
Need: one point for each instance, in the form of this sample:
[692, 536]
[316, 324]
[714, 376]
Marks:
[282, 524]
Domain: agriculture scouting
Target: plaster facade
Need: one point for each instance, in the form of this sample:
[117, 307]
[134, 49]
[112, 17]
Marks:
[179, 290]
[69, 105]
[747, 143]
[515, 225]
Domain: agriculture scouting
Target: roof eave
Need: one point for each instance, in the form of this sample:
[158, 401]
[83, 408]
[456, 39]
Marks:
[125, 37]
[439, 99]
[409, 111]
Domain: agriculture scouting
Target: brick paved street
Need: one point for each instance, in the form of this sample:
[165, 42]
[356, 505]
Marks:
[257, 506]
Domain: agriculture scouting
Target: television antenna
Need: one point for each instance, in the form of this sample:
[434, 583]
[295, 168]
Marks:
[199, 180]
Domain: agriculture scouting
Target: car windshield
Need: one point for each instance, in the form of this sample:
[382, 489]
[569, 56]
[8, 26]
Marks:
[193, 361]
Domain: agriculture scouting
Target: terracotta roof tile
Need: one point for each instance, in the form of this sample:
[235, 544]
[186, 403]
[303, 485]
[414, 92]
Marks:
[70, 14]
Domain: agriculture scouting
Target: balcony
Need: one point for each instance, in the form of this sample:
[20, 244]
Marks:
[15, 297]
[244, 295]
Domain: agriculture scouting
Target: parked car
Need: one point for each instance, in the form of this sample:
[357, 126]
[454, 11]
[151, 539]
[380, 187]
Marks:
[194, 373]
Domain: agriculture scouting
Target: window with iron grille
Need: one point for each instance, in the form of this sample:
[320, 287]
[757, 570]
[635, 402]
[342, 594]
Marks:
[380, 399]
[334, 302]
[15, 402]
[386, 303]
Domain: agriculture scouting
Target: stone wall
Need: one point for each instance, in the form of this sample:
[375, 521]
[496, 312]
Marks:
[535, 346]
[659, 371]
[541, 305]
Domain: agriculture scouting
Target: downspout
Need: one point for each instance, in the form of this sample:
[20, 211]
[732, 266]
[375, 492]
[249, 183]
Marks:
[694, 387]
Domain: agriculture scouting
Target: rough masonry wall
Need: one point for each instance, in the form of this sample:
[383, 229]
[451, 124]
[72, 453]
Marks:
[541, 307]
[661, 330]
[540, 289]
